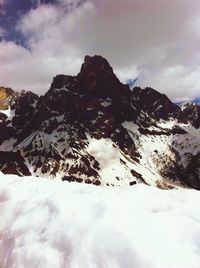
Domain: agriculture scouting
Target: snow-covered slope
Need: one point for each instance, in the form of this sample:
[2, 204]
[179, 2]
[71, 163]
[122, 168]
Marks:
[54, 224]
[92, 128]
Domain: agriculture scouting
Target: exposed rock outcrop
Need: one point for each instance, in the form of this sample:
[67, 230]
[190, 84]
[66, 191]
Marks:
[92, 128]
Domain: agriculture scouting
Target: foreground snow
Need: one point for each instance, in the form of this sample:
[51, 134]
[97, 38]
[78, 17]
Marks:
[52, 224]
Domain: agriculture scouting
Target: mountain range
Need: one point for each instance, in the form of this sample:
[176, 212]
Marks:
[94, 129]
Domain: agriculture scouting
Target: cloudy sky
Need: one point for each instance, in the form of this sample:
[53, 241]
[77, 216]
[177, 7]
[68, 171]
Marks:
[154, 41]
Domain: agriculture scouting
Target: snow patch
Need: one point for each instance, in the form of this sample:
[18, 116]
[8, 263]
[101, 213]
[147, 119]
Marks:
[112, 170]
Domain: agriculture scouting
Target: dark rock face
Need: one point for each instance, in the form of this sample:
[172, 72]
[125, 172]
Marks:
[192, 172]
[97, 78]
[13, 163]
[90, 123]
[191, 113]
[154, 103]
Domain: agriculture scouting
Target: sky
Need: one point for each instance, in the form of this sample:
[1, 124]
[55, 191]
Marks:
[147, 42]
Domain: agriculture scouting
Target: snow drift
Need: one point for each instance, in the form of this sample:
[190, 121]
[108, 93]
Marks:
[54, 224]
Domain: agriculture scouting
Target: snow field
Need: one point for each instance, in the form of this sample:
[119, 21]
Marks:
[54, 224]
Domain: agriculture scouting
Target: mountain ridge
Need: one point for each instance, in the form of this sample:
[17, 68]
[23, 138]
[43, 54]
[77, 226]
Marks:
[92, 128]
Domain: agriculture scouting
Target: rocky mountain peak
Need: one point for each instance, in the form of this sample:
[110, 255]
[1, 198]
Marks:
[153, 102]
[92, 128]
[98, 79]
[191, 111]
[96, 63]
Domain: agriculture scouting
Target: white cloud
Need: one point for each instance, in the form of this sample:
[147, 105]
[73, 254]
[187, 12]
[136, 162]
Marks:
[157, 40]
[182, 82]
[22, 69]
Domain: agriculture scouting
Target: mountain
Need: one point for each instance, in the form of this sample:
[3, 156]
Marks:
[91, 128]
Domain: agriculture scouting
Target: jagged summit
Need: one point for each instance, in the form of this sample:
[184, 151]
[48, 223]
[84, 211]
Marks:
[97, 63]
[192, 112]
[96, 78]
[92, 128]
[156, 103]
